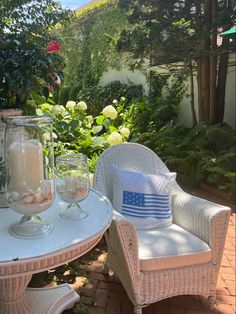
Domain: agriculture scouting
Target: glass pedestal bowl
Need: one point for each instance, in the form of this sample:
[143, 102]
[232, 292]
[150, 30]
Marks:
[31, 203]
[72, 182]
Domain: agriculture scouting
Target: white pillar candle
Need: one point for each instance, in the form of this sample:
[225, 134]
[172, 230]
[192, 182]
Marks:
[26, 165]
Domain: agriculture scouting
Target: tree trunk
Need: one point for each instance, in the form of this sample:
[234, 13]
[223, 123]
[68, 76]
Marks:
[221, 83]
[213, 65]
[194, 119]
[205, 84]
[206, 61]
[199, 66]
[199, 89]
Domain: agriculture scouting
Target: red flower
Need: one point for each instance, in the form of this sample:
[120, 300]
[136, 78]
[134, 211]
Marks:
[53, 46]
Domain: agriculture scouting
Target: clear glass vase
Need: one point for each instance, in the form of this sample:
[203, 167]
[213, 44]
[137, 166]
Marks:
[73, 184]
[4, 114]
[30, 173]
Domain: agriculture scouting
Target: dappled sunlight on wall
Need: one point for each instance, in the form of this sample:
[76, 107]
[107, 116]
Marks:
[125, 76]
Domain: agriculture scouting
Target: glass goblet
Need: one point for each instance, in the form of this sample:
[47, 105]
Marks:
[73, 184]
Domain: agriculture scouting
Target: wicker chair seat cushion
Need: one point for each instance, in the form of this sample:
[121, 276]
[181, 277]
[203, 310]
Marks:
[170, 247]
[143, 199]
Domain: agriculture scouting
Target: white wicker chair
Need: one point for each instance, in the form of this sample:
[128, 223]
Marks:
[148, 281]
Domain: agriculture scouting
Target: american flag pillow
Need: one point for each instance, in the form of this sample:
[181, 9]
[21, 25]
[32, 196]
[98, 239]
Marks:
[145, 199]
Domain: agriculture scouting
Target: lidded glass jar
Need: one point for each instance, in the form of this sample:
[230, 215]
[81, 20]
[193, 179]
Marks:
[30, 173]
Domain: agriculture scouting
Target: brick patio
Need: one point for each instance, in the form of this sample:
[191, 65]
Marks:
[105, 295]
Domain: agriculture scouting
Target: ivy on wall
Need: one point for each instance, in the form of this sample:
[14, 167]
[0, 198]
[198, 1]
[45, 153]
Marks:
[88, 44]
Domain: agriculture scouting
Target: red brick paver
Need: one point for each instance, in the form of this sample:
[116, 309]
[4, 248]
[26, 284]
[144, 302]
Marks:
[105, 294]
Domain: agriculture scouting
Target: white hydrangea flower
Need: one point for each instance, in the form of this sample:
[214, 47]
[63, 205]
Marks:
[114, 138]
[81, 105]
[54, 135]
[90, 119]
[122, 98]
[70, 105]
[46, 106]
[47, 136]
[58, 109]
[109, 112]
[125, 132]
[115, 101]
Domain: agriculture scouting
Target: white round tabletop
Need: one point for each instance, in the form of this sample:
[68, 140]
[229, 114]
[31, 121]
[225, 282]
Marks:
[66, 237]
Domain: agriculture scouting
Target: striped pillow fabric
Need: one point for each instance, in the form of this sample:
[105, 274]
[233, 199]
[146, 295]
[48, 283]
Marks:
[144, 205]
[144, 199]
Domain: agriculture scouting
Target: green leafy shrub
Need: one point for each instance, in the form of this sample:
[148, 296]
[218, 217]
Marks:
[162, 105]
[64, 95]
[219, 138]
[99, 97]
[76, 131]
[26, 65]
[204, 153]
[74, 92]
[88, 46]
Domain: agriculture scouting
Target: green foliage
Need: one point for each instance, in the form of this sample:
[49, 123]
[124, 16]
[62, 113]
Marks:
[88, 47]
[172, 31]
[64, 95]
[192, 169]
[203, 153]
[154, 112]
[95, 5]
[219, 139]
[74, 92]
[100, 96]
[76, 131]
[26, 16]
[25, 66]
[169, 30]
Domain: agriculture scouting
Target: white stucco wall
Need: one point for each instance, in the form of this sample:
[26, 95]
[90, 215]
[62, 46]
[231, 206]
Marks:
[136, 77]
[230, 99]
[125, 76]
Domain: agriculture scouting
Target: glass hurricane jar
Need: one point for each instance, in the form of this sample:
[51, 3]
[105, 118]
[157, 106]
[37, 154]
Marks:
[73, 184]
[4, 114]
[30, 173]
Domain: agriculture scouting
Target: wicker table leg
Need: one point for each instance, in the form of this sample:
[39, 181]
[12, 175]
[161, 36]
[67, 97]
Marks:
[13, 299]
[16, 299]
[52, 300]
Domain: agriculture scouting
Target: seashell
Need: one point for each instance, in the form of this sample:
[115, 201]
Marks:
[38, 198]
[70, 184]
[67, 196]
[51, 195]
[29, 191]
[46, 188]
[47, 196]
[27, 198]
[81, 191]
[15, 196]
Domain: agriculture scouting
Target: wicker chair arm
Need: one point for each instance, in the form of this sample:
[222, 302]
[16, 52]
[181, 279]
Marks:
[205, 219]
[123, 239]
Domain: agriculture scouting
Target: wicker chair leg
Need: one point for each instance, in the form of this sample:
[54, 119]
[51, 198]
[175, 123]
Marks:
[137, 309]
[211, 301]
[105, 268]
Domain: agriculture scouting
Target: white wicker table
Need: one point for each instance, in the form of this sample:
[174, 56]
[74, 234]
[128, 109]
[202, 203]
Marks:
[20, 258]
